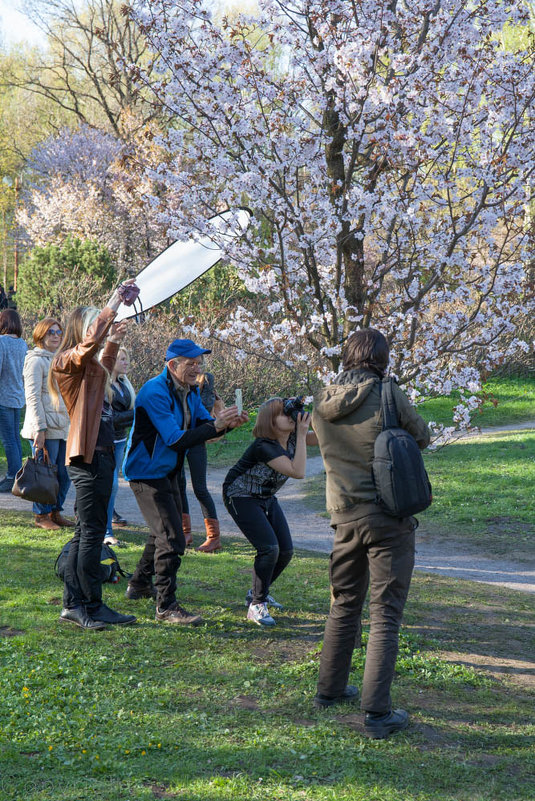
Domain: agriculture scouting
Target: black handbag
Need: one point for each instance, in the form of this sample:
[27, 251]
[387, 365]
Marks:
[37, 481]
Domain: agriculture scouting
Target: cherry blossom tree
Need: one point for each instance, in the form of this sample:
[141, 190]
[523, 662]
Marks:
[386, 150]
[87, 184]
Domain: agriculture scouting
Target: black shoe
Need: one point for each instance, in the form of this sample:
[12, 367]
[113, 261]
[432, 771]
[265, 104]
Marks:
[134, 593]
[177, 614]
[6, 485]
[349, 696]
[380, 726]
[118, 521]
[78, 615]
[104, 614]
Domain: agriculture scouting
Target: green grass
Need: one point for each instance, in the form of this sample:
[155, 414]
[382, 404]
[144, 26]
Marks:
[223, 712]
[507, 400]
[482, 494]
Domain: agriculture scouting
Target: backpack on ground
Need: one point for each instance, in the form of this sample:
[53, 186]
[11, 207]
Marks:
[398, 470]
[110, 569]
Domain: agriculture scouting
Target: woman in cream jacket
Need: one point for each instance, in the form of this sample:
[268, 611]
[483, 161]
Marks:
[46, 424]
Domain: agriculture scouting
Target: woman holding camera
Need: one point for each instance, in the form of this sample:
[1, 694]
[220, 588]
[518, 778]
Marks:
[84, 383]
[249, 489]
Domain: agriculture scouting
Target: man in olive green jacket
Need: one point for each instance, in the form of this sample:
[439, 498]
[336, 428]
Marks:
[370, 547]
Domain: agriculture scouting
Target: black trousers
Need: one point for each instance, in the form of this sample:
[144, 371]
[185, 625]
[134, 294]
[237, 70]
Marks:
[159, 502]
[263, 523]
[198, 463]
[92, 482]
[375, 550]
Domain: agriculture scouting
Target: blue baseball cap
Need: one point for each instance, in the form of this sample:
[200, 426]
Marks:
[186, 348]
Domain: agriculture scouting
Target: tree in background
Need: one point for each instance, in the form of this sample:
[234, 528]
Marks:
[56, 278]
[385, 149]
[87, 184]
[80, 72]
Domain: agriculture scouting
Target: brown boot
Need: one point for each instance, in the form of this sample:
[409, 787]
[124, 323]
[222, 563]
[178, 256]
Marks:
[212, 542]
[45, 521]
[186, 528]
[58, 518]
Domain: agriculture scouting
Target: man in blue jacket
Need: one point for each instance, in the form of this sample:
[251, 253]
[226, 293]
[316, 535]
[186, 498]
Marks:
[169, 418]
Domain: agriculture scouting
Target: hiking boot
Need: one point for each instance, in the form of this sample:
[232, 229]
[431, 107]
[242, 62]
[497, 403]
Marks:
[177, 614]
[377, 727]
[134, 593]
[270, 600]
[259, 614]
[349, 696]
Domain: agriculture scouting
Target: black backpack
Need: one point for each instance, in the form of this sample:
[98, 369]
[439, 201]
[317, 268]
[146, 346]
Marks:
[398, 470]
[110, 569]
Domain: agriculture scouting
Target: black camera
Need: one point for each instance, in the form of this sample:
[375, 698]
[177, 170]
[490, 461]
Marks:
[292, 407]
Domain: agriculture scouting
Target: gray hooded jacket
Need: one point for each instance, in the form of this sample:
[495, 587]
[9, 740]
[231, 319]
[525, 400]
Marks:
[347, 420]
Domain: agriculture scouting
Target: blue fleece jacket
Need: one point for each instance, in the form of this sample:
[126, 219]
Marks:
[158, 439]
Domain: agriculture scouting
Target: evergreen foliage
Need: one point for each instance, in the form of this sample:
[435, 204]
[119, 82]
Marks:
[51, 275]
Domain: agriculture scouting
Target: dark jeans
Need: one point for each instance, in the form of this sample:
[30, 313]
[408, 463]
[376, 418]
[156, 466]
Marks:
[264, 525]
[377, 550]
[10, 437]
[92, 483]
[198, 462]
[56, 451]
[159, 502]
[119, 453]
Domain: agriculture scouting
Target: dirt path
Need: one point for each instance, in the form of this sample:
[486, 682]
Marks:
[311, 530]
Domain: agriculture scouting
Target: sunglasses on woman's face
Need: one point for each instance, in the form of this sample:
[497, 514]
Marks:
[55, 332]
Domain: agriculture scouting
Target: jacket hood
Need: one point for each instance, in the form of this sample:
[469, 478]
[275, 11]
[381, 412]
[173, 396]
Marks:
[350, 390]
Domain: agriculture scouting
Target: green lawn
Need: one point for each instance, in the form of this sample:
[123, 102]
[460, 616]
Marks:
[482, 494]
[507, 400]
[223, 712]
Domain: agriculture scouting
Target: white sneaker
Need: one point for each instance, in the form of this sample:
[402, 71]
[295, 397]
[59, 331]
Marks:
[259, 614]
[269, 600]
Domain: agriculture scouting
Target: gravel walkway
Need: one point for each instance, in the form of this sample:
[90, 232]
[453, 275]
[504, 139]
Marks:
[311, 530]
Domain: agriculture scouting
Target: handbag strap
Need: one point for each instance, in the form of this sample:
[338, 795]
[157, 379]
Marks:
[388, 404]
[46, 457]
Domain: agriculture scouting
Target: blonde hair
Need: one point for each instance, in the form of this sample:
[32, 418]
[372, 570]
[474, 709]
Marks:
[265, 421]
[126, 380]
[75, 332]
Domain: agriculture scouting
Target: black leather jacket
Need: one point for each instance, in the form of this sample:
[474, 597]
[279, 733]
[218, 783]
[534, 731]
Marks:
[122, 414]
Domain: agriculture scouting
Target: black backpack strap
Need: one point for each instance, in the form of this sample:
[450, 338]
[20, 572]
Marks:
[388, 404]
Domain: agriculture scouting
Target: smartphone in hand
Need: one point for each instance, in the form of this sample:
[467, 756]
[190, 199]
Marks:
[239, 401]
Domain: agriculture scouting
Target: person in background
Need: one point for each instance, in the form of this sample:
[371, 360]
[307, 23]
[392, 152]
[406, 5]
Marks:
[123, 414]
[198, 462]
[12, 354]
[279, 452]
[169, 418]
[3, 298]
[370, 547]
[84, 383]
[46, 424]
